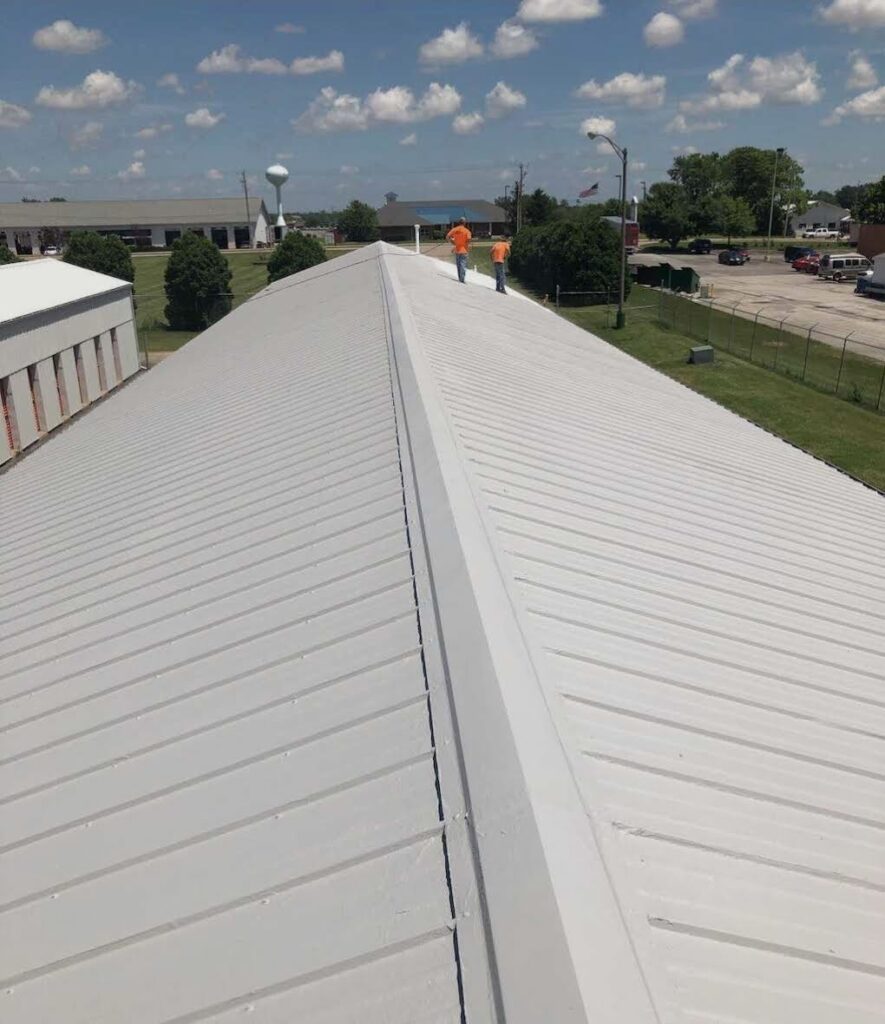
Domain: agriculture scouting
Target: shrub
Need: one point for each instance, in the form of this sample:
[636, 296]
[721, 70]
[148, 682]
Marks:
[582, 255]
[197, 284]
[7, 256]
[359, 222]
[295, 252]
[105, 254]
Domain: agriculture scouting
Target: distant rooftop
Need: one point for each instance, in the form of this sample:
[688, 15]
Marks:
[426, 212]
[128, 212]
[36, 285]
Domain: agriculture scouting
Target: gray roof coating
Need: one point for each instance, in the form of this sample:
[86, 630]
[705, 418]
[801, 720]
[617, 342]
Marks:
[407, 652]
[128, 213]
[408, 212]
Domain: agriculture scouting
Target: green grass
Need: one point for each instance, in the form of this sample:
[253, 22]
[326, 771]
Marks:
[843, 433]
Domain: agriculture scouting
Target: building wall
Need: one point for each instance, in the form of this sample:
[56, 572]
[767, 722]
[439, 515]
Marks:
[821, 216]
[25, 240]
[39, 358]
[871, 240]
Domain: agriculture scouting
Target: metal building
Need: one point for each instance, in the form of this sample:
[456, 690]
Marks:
[67, 337]
[397, 651]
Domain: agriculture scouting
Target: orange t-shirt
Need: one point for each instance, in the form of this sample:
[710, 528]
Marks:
[460, 236]
[500, 252]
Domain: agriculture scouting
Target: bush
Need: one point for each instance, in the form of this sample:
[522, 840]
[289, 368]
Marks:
[7, 256]
[359, 222]
[105, 254]
[197, 284]
[582, 255]
[295, 252]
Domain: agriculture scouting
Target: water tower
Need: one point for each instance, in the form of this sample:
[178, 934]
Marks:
[277, 175]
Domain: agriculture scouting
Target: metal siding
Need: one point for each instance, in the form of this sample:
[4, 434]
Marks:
[72, 387]
[20, 389]
[49, 393]
[706, 603]
[218, 775]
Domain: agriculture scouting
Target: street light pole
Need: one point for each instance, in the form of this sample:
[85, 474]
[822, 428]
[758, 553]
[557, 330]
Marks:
[778, 153]
[621, 319]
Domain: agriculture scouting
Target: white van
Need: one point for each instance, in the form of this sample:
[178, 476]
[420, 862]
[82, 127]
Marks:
[842, 266]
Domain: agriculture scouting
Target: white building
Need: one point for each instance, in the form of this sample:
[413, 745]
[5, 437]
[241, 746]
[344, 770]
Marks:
[820, 215]
[143, 223]
[67, 337]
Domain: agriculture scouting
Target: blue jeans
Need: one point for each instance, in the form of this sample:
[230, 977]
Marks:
[461, 264]
[500, 277]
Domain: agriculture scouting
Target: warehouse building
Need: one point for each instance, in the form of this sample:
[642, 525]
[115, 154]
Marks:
[374, 659]
[398, 217]
[26, 228]
[67, 337]
[820, 215]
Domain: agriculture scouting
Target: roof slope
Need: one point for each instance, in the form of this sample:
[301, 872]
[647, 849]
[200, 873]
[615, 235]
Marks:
[127, 212]
[421, 653]
[33, 286]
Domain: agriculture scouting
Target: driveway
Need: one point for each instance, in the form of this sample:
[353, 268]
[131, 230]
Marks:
[777, 292]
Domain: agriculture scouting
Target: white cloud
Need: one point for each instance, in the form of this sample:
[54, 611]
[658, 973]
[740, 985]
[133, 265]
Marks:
[638, 165]
[863, 74]
[693, 10]
[558, 10]
[229, 60]
[287, 28]
[332, 111]
[502, 100]
[213, 174]
[97, 90]
[681, 126]
[203, 118]
[9, 174]
[513, 40]
[451, 46]
[663, 30]
[171, 81]
[133, 172]
[599, 126]
[333, 61]
[33, 170]
[640, 91]
[738, 85]
[726, 77]
[13, 116]
[409, 140]
[348, 169]
[65, 37]
[684, 150]
[868, 104]
[855, 14]
[153, 130]
[88, 134]
[468, 124]
[83, 171]
[594, 170]
[139, 154]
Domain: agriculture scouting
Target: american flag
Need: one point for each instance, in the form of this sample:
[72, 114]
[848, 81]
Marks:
[589, 191]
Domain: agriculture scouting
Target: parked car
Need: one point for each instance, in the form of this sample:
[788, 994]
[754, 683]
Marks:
[863, 280]
[793, 252]
[801, 263]
[820, 233]
[812, 265]
[732, 257]
[745, 253]
[50, 250]
[700, 246]
[839, 266]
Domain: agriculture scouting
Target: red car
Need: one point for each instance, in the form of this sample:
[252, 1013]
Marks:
[805, 262]
[745, 253]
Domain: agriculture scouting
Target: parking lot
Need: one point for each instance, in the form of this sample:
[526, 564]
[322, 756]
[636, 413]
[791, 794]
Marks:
[777, 292]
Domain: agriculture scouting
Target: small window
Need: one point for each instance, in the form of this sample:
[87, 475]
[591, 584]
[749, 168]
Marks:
[102, 376]
[10, 423]
[36, 399]
[81, 374]
[838, 264]
[115, 349]
[60, 385]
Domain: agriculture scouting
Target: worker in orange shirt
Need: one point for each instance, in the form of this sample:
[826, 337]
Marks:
[500, 252]
[460, 237]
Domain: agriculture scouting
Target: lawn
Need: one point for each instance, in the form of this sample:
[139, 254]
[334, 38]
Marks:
[840, 432]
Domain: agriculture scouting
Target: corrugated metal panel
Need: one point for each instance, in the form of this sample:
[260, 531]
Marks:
[127, 212]
[36, 285]
[218, 778]
[706, 607]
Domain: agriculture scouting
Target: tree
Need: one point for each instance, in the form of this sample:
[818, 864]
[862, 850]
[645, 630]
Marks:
[579, 255]
[8, 256]
[665, 213]
[359, 222]
[748, 174]
[871, 203]
[849, 196]
[824, 197]
[538, 207]
[105, 254]
[295, 252]
[735, 217]
[700, 174]
[197, 283]
[508, 205]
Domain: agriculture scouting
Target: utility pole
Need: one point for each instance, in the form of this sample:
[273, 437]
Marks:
[644, 190]
[779, 152]
[520, 188]
[248, 215]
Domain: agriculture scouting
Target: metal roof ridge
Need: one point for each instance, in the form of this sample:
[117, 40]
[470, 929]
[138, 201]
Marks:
[561, 948]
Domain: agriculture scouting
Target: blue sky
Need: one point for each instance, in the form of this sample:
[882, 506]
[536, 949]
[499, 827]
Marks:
[428, 99]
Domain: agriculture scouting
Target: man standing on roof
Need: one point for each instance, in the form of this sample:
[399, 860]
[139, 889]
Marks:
[500, 252]
[460, 237]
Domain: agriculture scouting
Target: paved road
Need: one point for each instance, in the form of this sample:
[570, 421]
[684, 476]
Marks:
[777, 292]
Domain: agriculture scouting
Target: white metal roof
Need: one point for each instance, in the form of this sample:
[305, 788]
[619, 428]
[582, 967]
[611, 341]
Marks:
[33, 286]
[397, 648]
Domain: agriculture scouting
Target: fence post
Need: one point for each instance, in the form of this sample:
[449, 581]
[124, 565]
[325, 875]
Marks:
[753, 335]
[733, 318]
[690, 304]
[557, 296]
[780, 341]
[709, 321]
[841, 363]
[881, 386]
[807, 346]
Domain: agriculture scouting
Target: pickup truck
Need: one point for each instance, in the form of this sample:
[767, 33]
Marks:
[820, 233]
